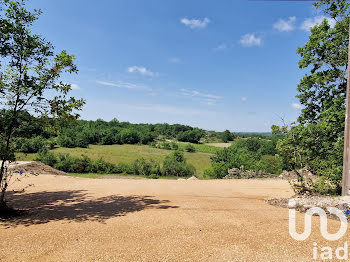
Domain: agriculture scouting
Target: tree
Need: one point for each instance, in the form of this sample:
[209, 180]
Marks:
[226, 136]
[191, 136]
[29, 77]
[315, 142]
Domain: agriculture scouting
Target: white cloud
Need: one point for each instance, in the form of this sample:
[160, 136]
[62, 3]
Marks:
[141, 70]
[75, 87]
[285, 25]
[221, 47]
[175, 60]
[249, 40]
[123, 85]
[244, 99]
[317, 20]
[297, 106]
[195, 23]
[195, 93]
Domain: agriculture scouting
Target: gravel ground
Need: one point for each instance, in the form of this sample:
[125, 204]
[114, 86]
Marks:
[79, 219]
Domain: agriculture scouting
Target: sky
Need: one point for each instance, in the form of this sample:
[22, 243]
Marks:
[216, 65]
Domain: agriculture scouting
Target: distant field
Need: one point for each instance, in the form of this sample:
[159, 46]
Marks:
[222, 145]
[128, 153]
[204, 148]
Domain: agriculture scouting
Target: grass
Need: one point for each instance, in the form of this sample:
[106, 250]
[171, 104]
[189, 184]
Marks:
[128, 153]
[203, 148]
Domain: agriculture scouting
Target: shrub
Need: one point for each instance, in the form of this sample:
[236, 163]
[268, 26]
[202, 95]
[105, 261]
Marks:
[270, 164]
[46, 157]
[190, 148]
[30, 145]
[65, 163]
[174, 146]
[101, 166]
[146, 168]
[166, 145]
[175, 165]
[123, 168]
[217, 170]
[51, 143]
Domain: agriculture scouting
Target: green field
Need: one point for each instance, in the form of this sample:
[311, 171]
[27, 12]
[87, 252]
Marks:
[128, 153]
[204, 148]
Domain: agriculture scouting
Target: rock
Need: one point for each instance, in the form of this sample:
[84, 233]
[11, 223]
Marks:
[192, 178]
[181, 179]
[345, 199]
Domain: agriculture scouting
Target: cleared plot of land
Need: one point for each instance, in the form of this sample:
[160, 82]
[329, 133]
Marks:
[76, 219]
[128, 153]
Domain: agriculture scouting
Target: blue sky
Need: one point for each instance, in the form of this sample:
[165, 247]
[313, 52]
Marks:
[213, 64]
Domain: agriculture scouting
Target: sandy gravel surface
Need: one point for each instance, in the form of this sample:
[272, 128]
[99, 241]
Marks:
[78, 219]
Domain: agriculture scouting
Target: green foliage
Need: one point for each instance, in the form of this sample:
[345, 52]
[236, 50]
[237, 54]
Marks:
[175, 165]
[217, 170]
[191, 136]
[83, 164]
[165, 145]
[190, 148]
[146, 168]
[201, 148]
[29, 80]
[174, 146]
[252, 154]
[316, 141]
[227, 136]
[46, 157]
[270, 164]
[123, 168]
[30, 145]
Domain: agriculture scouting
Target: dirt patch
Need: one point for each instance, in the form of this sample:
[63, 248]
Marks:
[82, 219]
[222, 145]
[34, 168]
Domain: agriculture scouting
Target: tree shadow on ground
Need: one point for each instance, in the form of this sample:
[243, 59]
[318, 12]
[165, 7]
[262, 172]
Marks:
[77, 205]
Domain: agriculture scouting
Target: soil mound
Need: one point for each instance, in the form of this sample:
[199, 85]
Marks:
[34, 168]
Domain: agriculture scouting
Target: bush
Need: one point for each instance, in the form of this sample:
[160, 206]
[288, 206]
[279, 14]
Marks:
[101, 166]
[217, 170]
[51, 143]
[66, 163]
[123, 168]
[270, 164]
[146, 168]
[175, 165]
[252, 154]
[30, 145]
[46, 157]
[174, 146]
[190, 148]
[166, 145]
